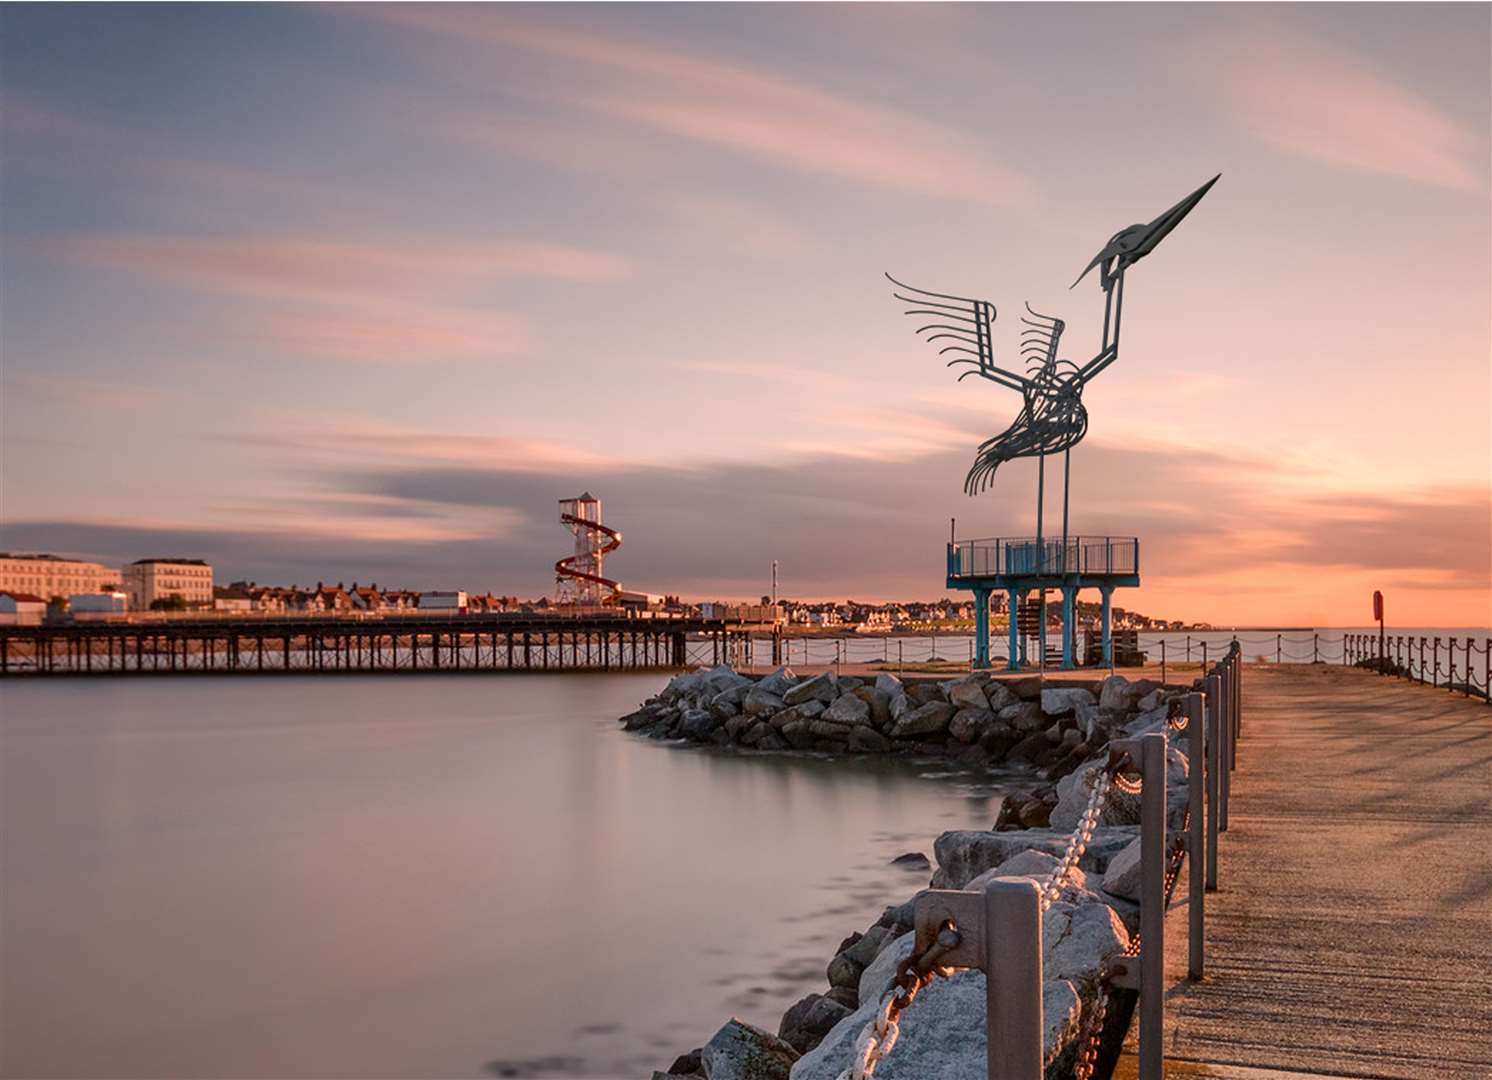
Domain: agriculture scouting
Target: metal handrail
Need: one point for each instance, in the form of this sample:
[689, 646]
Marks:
[1021, 555]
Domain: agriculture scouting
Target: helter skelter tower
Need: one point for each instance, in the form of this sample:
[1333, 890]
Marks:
[580, 576]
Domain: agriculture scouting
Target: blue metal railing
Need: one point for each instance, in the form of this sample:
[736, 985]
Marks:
[1025, 557]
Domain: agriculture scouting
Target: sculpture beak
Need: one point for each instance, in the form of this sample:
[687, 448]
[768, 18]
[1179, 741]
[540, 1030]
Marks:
[1156, 231]
[1137, 241]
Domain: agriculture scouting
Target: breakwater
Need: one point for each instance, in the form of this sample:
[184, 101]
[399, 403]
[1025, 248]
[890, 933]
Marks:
[1059, 733]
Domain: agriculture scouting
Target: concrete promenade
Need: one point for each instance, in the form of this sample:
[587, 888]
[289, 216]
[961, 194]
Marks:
[1352, 934]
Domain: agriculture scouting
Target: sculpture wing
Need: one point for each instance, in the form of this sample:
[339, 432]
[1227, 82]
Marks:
[959, 325]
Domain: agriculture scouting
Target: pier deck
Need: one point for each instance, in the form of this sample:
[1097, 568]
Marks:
[1352, 935]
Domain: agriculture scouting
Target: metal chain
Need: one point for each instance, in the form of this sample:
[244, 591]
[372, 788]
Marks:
[881, 1031]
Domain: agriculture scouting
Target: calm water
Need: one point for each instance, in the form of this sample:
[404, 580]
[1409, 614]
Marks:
[439, 876]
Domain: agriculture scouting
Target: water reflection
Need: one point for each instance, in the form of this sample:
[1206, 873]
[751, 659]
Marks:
[434, 876]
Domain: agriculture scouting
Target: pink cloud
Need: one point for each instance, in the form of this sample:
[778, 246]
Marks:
[1309, 99]
[788, 122]
[379, 300]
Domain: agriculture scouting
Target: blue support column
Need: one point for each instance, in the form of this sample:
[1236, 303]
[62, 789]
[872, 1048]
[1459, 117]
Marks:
[1069, 597]
[1108, 637]
[981, 628]
[1015, 632]
[1041, 638]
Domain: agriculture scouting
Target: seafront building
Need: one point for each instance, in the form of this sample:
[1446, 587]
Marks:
[149, 580]
[47, 576]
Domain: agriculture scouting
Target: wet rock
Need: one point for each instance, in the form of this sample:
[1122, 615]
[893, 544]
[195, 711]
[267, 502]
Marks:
[819, 688]
[912, 860]
[772, 742]
[723, 711]
[754, 735]
[732, 696]
[1035, 814]
[929, 719]
[900, 706]
[688, 1064]
[797, 734]
[736, 726]
[848, 683]
[847, 996]
[741, 1051]
[806, 1023]
[969, 724]
[997, 740]
[923, 692]
[866, 740]
[699, 724]
[1029, 749]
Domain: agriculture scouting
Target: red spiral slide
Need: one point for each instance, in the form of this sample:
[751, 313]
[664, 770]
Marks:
[563, 569]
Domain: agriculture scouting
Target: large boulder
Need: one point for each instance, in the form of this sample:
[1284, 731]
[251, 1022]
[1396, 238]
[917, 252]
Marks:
[867, 740]
[809, 1020]
[880, 705]
[967, 693]
[1122, 878]
[963, 855]
[1064, 700]
[1077, 939]
[943, 1034]
[819, 688]
[779, 682]
[1116, 692]
[848, 710]
[998, 695]
[929, 719]
[968, 725]
[1038, 866]
[889, 683]
[740, 1051]
[699, 724]
[1024, 716]
[759, 702]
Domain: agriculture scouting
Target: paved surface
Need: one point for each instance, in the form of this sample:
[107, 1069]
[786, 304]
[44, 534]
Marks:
[1352, 933]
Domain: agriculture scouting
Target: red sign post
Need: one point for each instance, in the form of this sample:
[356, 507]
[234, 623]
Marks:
[1378, 615]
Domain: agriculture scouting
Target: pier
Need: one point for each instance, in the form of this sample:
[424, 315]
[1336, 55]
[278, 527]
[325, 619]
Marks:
[594, 642]
[1352, 933]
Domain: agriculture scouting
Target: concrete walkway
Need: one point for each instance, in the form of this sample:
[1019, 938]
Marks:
[1352, 934]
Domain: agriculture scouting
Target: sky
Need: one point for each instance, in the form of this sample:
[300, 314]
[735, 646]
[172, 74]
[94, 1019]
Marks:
[358, 293]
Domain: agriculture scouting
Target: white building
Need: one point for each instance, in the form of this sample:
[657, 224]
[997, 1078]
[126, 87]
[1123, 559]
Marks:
[443, 601]
[52, 575]
[149, 580]
[22, 608]
[108, 603]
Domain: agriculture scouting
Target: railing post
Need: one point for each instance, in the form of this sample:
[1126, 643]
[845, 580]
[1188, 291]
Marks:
[1013, 983]
[1218, 700]
[1279, 649]
[1213, 751]
[1196, 832]
[1152, 904]
[1316, 647]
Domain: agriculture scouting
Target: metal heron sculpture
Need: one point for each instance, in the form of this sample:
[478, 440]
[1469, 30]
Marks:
[1052, 418]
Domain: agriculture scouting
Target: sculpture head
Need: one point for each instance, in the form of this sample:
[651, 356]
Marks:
[1130, 245]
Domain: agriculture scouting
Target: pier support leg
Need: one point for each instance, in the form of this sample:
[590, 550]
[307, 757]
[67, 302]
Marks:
[1014, 606]
[981, 628]
[1069, 631]
[1108, 628]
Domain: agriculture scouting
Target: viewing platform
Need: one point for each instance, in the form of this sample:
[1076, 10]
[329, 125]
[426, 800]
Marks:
[1019, 565]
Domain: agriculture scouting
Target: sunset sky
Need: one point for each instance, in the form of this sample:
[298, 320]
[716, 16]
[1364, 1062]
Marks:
[354, 292]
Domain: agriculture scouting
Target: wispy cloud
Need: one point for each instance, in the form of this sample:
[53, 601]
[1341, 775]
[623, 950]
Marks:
[380, 299]
[1309, 98]
[742, 109]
